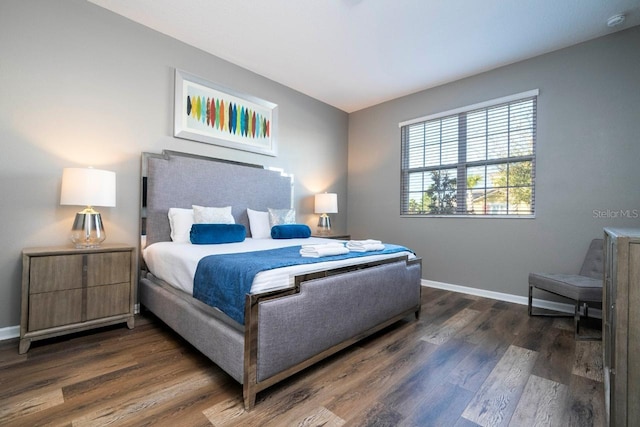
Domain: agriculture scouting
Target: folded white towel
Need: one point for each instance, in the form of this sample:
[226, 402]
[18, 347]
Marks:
[365, 245]
[368, 248]
[328, 249]
[323, 245]
[356, 243]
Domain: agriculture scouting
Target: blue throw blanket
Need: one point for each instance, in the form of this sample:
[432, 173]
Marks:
[222, 281]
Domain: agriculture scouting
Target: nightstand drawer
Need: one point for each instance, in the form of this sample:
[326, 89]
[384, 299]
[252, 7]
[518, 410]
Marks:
[55, 273]
[109, 300]
[51, 309]
[108, 268]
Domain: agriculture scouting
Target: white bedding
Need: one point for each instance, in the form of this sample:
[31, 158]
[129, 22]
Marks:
[176, 263]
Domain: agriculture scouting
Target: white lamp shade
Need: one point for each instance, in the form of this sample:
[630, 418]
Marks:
[88, 187]
[326, 203]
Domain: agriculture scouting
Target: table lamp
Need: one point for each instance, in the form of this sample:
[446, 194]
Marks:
[88, 187]
[325, 203]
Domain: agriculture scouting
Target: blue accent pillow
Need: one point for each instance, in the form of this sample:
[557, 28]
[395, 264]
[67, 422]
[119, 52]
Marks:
[290, 231]
[208, 234]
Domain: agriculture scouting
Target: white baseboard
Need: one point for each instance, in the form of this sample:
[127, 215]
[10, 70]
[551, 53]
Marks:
[11, 332]
[539, 303]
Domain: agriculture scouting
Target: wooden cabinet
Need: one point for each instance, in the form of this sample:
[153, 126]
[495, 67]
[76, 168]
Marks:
[68, 290]
[621, 326]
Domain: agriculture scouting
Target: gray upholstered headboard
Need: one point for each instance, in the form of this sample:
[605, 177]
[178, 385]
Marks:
[179, 180]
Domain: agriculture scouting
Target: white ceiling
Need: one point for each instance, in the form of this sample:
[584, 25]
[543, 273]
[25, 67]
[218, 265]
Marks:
[356, 53]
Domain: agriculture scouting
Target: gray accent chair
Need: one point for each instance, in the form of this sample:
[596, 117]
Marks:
[585, 288]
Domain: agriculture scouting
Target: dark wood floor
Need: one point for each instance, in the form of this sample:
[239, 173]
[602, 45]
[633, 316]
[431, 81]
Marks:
[468, 361]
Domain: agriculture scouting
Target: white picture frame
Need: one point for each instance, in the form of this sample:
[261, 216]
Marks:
[207, 112]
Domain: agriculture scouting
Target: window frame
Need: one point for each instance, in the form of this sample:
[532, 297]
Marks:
[405, 171]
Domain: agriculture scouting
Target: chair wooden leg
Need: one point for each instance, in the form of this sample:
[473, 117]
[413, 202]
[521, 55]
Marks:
[586, 309]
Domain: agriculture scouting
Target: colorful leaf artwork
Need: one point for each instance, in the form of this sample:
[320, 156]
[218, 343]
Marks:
[229, 117]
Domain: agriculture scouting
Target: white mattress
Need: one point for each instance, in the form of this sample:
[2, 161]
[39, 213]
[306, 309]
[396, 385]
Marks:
[176, 263]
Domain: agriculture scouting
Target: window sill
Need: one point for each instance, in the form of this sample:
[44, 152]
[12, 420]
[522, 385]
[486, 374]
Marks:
[472, 216]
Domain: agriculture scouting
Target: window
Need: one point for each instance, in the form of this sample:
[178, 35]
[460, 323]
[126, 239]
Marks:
[476, 160]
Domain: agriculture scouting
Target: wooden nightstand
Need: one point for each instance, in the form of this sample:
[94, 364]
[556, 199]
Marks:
[333, 236]
[67, 290]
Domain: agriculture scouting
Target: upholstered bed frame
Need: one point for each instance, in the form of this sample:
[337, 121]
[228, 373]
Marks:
[285, 331]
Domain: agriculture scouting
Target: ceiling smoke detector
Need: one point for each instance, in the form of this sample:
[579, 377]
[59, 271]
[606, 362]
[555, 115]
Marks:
[615, 20]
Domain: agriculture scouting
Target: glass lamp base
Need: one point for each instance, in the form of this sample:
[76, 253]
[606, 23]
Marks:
[87, 230]
[324, 224]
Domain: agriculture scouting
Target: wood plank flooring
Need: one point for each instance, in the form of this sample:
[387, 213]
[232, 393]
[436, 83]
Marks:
[468, 361]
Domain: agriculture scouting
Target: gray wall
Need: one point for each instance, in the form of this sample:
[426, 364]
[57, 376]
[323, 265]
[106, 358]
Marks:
[82, 86]
[588, 158]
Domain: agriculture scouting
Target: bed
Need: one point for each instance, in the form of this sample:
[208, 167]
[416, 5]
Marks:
[311, 314]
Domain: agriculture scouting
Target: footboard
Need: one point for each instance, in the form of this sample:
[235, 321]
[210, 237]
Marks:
[325, 313]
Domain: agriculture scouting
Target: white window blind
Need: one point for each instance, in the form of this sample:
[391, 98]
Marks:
[477, 160]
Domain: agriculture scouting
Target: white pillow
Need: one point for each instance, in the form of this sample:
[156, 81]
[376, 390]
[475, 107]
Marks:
[180, 221]
[259, 224]
[206, 215]
[281, 216]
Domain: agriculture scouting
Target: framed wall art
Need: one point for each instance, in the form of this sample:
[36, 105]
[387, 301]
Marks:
[213, 114]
